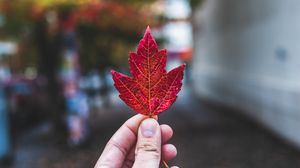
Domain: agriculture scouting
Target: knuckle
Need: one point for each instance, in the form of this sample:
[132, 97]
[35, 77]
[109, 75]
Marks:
[118, 146]
[128, 163]
[149, 148]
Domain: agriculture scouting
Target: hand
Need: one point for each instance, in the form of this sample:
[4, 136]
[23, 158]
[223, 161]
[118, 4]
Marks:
[139, 143]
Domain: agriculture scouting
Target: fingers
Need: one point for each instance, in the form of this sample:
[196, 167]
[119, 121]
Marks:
[166, 133]
[169, 152]
[120, 144]
[148, 148]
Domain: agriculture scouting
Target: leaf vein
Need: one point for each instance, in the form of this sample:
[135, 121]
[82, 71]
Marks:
[163, 99]
[132, 94]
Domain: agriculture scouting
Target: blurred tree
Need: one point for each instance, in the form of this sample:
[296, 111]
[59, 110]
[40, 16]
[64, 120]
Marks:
[105, 30]
[100, 26]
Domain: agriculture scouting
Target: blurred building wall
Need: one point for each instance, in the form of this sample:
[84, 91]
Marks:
[247, 55]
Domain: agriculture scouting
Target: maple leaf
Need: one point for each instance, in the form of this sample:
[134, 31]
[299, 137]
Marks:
[150, 90]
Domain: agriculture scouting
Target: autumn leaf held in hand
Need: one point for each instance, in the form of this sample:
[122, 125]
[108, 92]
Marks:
[151, 89]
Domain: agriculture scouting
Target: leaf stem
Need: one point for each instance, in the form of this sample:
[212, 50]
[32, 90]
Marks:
[165, 164]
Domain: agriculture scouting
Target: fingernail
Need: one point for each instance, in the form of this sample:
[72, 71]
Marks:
[148, 128]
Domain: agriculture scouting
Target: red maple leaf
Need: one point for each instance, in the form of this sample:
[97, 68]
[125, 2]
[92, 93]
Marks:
[150, 90]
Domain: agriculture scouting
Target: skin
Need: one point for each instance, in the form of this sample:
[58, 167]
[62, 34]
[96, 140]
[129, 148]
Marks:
[130, 148]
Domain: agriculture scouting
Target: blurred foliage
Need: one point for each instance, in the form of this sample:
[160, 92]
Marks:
[108, 41]
[106, 30]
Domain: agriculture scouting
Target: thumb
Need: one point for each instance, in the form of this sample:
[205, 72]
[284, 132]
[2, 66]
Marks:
[148, 147]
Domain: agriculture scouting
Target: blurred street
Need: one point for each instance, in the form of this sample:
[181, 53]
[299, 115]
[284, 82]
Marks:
[206, 135]
[238, 108]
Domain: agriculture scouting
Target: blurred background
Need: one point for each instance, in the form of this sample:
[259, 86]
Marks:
[238, 107]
